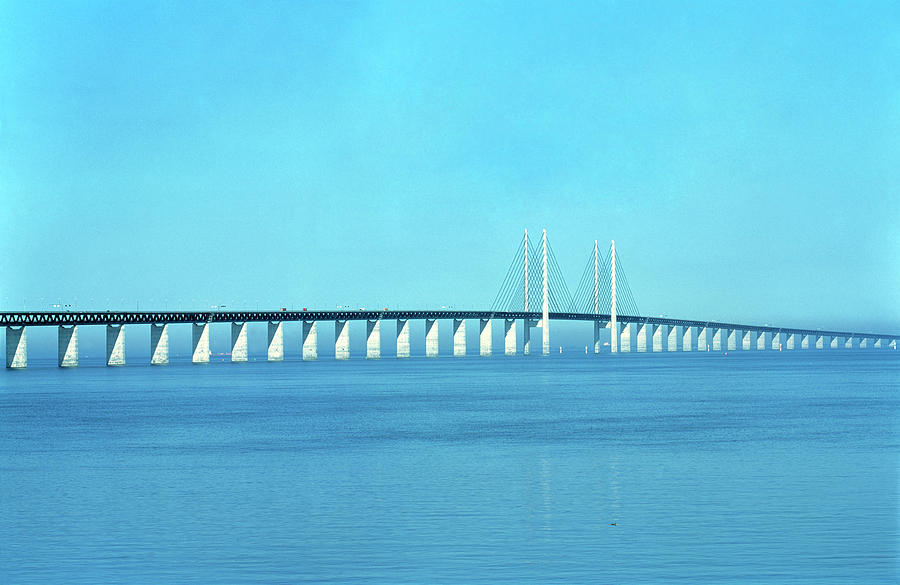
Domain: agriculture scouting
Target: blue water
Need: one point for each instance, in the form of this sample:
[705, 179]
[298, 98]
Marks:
[751, 468]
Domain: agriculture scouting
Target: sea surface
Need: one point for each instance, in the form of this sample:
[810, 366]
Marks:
[769, 467]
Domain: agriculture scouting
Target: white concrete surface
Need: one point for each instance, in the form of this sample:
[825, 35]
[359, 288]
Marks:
[67, 350]
[115, 345]
[16, 347]
[275, 349]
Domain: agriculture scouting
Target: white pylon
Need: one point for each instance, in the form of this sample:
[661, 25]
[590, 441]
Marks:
[526, 271]
[596, 279]
[613, 326]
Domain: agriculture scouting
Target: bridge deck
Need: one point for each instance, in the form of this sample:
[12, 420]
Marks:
[51, 318]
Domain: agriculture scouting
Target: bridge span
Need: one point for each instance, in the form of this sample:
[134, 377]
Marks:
[603, 297]
[632, 332]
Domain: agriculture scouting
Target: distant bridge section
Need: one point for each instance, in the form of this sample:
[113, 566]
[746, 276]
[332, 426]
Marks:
[635, 332]
[532, 293]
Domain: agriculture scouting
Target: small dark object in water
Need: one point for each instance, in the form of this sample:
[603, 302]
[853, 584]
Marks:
[612, 523]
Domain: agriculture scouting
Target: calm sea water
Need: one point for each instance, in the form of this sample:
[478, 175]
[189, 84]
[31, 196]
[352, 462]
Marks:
[747, 468]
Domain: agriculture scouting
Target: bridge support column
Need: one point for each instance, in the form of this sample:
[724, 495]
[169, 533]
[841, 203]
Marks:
[67, 350]
[509, 336]
[200, 343]
[878, 343]
[545, 335]
[776, 341]
[309, 341]
[820, 342]
[341, 340]
[863, 343]
[527, 325]
[597, 326]
[657, 338]
[485, 340]
[625, 338]
[615, 330]
[717, 340]
[893, 344]
[115, 345]
[804, 341]
[835, 342]
[746, 341]
[275, 350]
[239, 342]
[402, 338]
[687, 339]
[459, 337]
[373, 339]
[672, 341]
[16, 347]
[431, 338]
[159, 344]
[849, 343]
[761, 340]
[732, 343]
[791, 342]
[703, 339]
[642, 334]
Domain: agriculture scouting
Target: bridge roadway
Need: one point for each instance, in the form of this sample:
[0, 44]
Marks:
[70, 318]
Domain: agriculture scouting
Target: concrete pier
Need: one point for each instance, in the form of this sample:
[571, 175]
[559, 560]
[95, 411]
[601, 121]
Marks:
[239, 342]
[275, 350]
[485, 339]
[115, 345]
[459, 338]
[431, 338]
[835, 343]
[373, 339]
[804, 341]
[761, 340]
[642, 336]
[527, 326]
[402, 338]
[672, 341]
[878, 344]
[776, 341]
[625, 338]
[657, 337]
[509, 336]
[200, 343]
[597, 326]
[893, 344]
[703, 339]
[309, 341]
[732, 343]
[820, 342]
[849, 343]
[864, 343]
[341, 340]
[159, 344]
[615, 330]
[16, 347]
[67, 350]
[687, 339]
[746, 341]
[717, 340]
[791, 342]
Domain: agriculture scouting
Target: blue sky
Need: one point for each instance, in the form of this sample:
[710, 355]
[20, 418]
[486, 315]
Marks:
[745, 156]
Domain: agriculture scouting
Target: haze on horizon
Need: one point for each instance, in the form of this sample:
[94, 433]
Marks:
[744, 156]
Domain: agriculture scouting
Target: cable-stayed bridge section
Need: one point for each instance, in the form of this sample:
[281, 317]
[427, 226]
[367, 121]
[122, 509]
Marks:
[533, 293]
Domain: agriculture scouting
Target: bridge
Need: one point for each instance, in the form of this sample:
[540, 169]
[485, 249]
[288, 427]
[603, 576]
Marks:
[602, 290]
